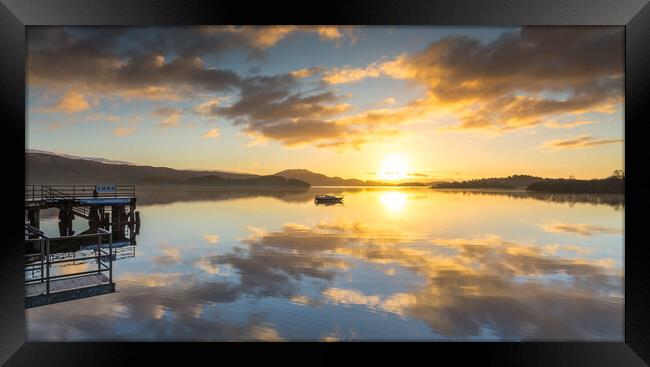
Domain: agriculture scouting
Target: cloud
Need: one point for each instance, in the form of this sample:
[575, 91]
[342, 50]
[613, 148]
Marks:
[337, 33]
[263, 37]
[95, 63]
[205, 108]
[123, 131]
[554, 124]
[522, 79]
[581, 141]
[71, 102]
[303, 73]
[273, 107]
[211, 134]
[417, 174]
[350, 75]
[267, 107]
[171, 116]
[131, 61]
[55, 125]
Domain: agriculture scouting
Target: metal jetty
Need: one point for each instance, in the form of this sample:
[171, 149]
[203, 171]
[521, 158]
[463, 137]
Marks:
[54, 272]
[43, 288]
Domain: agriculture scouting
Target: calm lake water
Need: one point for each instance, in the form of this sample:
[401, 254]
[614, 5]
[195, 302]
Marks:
[389, 264]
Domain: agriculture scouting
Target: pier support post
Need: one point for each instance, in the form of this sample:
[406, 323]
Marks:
[115, 215]
[118, 215]
[65, 222]
[107, 221]
[93, 217]
[137, 222]
[123, 216]
[33, 216]
[131, 214]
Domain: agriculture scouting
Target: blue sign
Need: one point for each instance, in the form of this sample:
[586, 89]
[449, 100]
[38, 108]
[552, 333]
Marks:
[105, 188]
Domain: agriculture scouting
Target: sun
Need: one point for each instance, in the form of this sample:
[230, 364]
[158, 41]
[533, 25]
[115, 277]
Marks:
[394, 167]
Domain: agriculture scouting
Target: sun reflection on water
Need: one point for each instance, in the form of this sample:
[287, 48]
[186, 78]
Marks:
[394, 201]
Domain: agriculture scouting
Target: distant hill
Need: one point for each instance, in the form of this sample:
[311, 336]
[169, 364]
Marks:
[317, 179]
[609, 185]
[52, 168]
[261, 181]
[614, 184]
[510, 182]
[101, 160]
[44, 168]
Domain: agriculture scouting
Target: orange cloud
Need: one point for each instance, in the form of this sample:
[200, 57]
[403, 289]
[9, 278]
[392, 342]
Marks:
[264, 37]
[123, 131]
[71, 102]
[554, 124]
[171, 116]
[211, 134]
[581, 141]
[502, 85]
[522, 79]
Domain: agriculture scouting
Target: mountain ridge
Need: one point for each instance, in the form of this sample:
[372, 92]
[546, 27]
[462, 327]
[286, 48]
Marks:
[53, 168]
[319, 179]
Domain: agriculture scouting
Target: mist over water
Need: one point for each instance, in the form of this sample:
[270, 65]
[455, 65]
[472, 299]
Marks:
[388, 264]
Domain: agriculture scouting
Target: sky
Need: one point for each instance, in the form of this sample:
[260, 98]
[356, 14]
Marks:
[378, 103]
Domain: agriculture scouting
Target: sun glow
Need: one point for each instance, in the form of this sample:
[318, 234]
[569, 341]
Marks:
[393, 201]
[394, 167]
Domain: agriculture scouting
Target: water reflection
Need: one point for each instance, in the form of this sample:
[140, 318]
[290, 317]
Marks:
[329, 203]
[468, 284]
[448, 267]
[164, 195]
[394, 201]
[617, 201]
[579, 228]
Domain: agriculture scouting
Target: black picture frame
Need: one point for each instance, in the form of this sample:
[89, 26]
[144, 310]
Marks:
[15, 15]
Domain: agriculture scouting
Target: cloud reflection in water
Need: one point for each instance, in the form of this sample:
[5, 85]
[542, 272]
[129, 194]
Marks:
[343, 278]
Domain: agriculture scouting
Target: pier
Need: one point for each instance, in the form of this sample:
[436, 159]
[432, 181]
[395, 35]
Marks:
[73, 266]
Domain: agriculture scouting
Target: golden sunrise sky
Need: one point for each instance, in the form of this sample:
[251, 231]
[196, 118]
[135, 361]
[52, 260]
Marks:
[378, 103]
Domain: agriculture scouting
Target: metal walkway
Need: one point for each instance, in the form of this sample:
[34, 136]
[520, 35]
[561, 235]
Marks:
[43, 288]
[67, 284]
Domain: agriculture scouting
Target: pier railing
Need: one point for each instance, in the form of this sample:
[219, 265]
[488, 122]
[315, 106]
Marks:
[40, 269]
[62, 192]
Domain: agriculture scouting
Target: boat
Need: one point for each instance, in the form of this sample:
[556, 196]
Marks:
[325, 199]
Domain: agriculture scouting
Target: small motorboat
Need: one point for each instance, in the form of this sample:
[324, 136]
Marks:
[328, 199]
